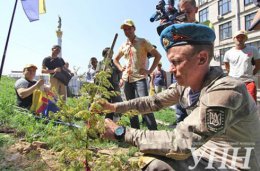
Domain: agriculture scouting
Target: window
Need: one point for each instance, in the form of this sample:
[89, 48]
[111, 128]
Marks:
[225, 31]
[203, 15]
[255, 44]
[247, 2]
[224, 7]
[202, 2]
[248, 20]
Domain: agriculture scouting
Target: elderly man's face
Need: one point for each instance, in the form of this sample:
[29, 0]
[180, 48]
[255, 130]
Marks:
[183, 64]
[30, 73]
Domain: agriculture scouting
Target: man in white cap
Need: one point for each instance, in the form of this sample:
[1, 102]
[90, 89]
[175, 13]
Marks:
[25, 86]
[134, 76]
[243, 61]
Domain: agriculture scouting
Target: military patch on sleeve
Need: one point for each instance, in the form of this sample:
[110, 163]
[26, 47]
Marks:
[215, 119]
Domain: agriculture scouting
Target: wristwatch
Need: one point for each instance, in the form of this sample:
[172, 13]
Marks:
[120, 133]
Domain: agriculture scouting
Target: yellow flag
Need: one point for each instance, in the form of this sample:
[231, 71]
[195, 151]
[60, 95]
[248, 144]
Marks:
[42, 8]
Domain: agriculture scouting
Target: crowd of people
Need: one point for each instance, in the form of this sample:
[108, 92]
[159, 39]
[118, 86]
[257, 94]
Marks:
[218, 126]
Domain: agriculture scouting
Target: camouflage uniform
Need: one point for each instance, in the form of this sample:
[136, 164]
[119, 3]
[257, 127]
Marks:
[224, 117]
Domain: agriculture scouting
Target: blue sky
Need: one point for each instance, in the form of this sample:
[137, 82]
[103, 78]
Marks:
[88, 27]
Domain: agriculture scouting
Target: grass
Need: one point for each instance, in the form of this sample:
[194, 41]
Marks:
[58, 137]
[166, 115]
[6, 140]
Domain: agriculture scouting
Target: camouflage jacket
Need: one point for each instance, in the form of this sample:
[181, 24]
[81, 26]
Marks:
[223, 124]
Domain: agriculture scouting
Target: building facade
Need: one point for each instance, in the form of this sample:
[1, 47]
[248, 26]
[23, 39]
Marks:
[228, 17]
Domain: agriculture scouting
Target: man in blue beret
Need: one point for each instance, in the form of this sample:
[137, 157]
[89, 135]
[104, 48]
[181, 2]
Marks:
[189, 8]
[222, 129]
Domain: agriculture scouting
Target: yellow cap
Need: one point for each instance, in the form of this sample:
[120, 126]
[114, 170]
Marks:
[128, 22]
[240, 32]
[29, 66]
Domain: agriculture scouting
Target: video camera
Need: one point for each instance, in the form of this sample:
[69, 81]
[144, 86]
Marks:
[167, 14]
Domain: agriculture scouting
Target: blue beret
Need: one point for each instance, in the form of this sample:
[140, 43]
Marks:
[186, 33]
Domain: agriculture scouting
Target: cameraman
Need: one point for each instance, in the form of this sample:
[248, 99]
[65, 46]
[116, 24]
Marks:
[189, 8]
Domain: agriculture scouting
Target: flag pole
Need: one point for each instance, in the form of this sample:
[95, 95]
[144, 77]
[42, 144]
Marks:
[7, 39]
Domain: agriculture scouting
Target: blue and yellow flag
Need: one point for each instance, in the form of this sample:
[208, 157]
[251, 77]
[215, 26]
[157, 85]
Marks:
[33, 8]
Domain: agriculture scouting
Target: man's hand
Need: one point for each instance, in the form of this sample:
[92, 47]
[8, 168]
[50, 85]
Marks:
[109, 106]
[105, 106]
[122, 69]
[110, 128]
[143, 71]
[46, 88]
[121, 83]
[39, 83]
[25, 92]
[57, 70]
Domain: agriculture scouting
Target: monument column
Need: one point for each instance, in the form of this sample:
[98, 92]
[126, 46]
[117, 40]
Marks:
[59, 36]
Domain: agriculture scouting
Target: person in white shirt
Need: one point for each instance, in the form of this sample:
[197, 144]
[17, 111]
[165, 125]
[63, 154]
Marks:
[91, 70]
[243, 61]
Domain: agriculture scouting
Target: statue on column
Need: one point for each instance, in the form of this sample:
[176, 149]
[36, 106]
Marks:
[59, 32]
[59, 26]
[59, 35]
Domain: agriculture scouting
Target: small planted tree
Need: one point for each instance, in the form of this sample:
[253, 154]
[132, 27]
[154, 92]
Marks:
[87, 114]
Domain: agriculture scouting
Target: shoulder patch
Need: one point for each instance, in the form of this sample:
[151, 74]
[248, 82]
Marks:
[215, 119]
